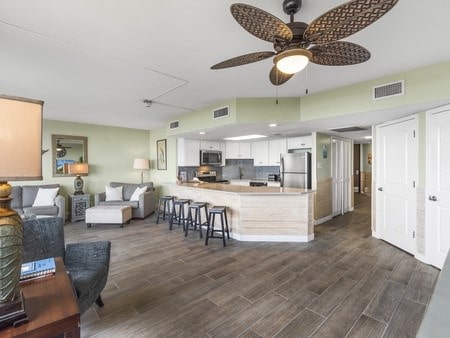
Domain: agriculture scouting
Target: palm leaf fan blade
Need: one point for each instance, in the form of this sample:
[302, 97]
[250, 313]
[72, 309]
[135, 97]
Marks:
[346, 19]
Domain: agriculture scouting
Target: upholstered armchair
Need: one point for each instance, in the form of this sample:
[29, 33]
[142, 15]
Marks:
[87, 262]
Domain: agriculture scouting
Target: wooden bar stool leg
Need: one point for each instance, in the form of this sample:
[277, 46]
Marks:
[159, 210]
[226, 223]
[189, 221]
[223, 229]
[173, 215]
[207, 228]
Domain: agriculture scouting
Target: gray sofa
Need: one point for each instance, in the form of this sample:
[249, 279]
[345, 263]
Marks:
[87, 262]
[24, 196]
[139, 209]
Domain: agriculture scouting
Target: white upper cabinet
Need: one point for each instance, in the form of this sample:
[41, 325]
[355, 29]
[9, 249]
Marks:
[276, 148]
[299, 142]
[188, 152]
[210, 145]
[260, 152]
[238, 150]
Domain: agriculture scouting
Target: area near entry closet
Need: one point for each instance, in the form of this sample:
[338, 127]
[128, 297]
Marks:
[341, 168]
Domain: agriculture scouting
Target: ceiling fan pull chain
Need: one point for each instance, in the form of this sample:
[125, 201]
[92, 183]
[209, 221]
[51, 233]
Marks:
[276, 95]
[306, 81]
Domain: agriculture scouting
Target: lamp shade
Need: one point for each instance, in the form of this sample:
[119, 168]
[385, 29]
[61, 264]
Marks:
[78, 168]
[141, 163]
[292, 61]
[20, 139]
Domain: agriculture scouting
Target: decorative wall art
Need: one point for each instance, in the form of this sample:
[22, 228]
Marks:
[161, 154]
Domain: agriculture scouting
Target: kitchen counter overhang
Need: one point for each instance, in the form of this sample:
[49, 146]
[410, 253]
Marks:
[256, 213]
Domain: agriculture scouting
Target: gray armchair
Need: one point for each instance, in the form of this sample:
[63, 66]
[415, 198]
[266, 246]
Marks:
[87, 263]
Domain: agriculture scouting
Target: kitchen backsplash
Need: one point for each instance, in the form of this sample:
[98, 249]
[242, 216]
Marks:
[233, 169]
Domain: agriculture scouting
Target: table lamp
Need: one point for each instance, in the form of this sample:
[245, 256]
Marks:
[20, 149]
[142, 164]
[78, 169]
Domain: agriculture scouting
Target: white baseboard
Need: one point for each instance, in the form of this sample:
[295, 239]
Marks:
[323, 220]
[375, 234]
[271, 238]
[421, 257]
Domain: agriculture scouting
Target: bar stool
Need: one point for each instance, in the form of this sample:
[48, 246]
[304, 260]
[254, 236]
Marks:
[178, 216]
[222, 211]
[197, 219]
[164, 202]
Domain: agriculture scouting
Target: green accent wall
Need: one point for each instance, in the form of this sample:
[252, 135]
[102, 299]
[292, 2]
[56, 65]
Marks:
[252, 110]
[201, 119]
[111, 151]
[163, 176]
[424, 84]
[323, 145]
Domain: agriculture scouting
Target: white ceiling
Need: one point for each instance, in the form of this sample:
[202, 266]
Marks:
[96, 61]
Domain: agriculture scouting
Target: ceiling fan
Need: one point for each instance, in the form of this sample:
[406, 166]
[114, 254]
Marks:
[297, 43]
[60, 149]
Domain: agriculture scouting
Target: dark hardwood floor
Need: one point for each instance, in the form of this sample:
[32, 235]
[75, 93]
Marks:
[344, 283]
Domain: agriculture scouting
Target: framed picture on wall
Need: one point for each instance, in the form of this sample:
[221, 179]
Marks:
[161, 154]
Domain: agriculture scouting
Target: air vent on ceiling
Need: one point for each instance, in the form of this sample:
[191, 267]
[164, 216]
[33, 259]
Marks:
[348, 129]
[221, 112]
[388, 90]
[174, 125]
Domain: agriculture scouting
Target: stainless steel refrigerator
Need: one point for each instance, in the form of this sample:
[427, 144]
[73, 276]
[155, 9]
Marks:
[295, 169]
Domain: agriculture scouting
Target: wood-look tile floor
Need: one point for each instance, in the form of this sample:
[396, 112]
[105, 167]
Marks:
[343, 284]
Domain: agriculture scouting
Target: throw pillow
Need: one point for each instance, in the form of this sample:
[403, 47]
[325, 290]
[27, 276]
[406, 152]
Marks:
[45, 197]
[137, 192]
[114, 194]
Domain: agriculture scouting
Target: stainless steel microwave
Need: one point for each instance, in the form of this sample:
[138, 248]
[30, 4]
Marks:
[210, 157]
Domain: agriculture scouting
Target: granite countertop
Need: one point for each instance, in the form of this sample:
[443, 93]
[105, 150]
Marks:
[240, 189]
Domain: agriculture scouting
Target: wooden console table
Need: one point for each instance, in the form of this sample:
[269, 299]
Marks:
[51, 307]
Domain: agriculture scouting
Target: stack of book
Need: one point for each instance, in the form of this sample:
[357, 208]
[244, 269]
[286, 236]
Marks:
[38, 269]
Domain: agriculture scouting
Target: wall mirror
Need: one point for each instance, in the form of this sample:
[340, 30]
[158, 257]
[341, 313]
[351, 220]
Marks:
[67, 149]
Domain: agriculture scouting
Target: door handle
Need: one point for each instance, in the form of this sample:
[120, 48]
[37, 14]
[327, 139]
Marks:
[432, 198]
[380, 189]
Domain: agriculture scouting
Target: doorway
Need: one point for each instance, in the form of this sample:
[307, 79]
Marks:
[357, 168]
[341, 164]
[396, 177]
[437, 193]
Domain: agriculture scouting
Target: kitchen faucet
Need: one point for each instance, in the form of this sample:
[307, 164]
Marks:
[241, 172]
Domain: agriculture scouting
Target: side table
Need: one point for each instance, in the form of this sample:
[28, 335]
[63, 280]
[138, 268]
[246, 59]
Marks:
[78, 205]
[51, 307]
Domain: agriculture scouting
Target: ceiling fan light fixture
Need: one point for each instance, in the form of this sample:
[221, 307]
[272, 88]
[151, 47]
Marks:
[293, 60]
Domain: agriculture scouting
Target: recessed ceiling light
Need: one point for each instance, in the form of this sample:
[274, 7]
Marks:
[202, 132]
[245, 137]
[273, 125]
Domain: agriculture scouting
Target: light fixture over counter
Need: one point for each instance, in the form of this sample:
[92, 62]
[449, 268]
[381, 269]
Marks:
[244, 137]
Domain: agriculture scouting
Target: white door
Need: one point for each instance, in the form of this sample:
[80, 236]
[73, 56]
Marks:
[437, 202]
[341, 176]
[396, 179]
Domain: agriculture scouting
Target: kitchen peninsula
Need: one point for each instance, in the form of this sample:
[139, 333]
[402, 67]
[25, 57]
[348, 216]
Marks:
[256, 213]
